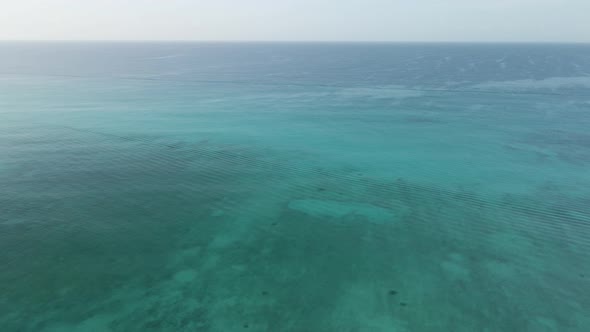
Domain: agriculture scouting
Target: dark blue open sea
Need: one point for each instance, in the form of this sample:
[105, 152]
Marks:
[294, 187]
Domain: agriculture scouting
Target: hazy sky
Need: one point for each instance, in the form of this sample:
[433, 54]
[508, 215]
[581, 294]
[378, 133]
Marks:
[336, 20]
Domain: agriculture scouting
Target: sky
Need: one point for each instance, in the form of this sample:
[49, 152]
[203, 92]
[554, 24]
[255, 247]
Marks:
[297, 20]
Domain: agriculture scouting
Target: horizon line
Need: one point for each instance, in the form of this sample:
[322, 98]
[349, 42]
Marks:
[288, 41]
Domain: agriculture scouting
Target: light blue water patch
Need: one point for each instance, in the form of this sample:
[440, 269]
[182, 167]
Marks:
[339, 210]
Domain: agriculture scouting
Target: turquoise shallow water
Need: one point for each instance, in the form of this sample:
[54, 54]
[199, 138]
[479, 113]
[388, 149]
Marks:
[294, 187]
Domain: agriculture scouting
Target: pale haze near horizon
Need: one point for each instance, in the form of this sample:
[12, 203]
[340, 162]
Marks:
[301, 20]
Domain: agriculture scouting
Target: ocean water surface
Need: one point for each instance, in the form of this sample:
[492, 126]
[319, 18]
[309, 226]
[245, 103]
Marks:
[294, 187]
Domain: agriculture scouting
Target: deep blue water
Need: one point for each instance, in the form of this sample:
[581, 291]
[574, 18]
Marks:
[294, 187]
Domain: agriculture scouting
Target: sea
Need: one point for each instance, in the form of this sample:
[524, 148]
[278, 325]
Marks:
[298, 187]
